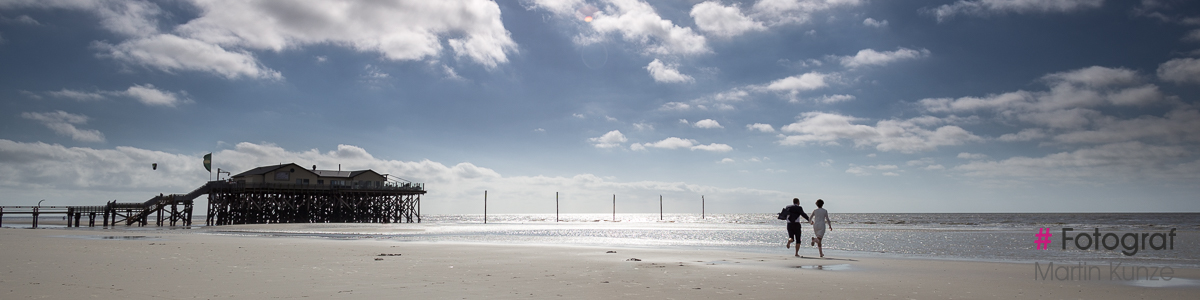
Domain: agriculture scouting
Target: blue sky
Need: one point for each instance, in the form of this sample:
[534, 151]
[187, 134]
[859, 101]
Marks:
[874, 106]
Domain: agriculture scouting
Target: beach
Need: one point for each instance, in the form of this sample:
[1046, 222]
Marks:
[190, 264]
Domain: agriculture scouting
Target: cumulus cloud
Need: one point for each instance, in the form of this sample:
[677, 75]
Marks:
[707, 123]
[666, 73]
[678, 106]
[779, 12]
[723, 21]
[713, 147]
[398, 29]
[170, 53]
[906, 136]
[146, 94]
[875, 23]
[1070, 103]
[679, 143]
[219, 40]
[760, 127]
[671, 143]
[1180, 70]
[612, 139]
[63, 123]
[129, 17]
[1024, 135]
[988, 7]
[870, 57]
[77, 95]
[968, 155]
[1121, 161]
[637, 22]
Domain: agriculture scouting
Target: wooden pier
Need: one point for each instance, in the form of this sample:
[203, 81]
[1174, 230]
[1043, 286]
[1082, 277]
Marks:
[263, 203]
[233, 202]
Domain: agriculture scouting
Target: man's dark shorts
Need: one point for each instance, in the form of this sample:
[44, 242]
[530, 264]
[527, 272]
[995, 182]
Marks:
[793, 230]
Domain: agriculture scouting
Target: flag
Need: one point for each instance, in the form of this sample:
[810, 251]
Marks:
[208, 162]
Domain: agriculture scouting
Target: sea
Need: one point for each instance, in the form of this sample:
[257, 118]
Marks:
[998, 237]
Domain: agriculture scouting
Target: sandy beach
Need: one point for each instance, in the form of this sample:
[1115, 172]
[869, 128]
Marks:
[183, 264]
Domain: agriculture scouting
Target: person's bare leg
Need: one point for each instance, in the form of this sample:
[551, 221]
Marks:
[819, 249]
[789, 243]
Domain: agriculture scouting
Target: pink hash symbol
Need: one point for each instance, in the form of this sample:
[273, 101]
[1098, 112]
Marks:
[1043, 238]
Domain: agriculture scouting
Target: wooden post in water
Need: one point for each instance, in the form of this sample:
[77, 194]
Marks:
[702, 207]
[1, 216]
[484, 206]
[614, 207]
[555, 206]
[660, 218]
[35, 216]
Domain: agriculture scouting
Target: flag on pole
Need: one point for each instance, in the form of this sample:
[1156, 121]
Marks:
[208, 162]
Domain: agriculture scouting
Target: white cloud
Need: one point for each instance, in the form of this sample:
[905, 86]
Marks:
[890, 174]
[398, 29]
[77, 95]
[1192, 36]
[857, 171]
[683, 121]
[779, 12]
[1095, 76]
[714, 147]
[760, 127]
[723, 21]
[793, 85]
[128, 17]
[22, 19]
[1176, 127]
[907, 136]
[707, 123]
[679, 106]
[1180, 70]
[637, 22]
[828, 99]
[63, 123]
[972, 156]
[666, 73]
[726, 160]
[1118, 161]
[987, 7]
[539, 130]
[1024, 135]
[934, 167]
[147, 94]
[643, 126]
[874, 23]
[581, 116]
[870, 57]
[672, 143]
[1070, 103]
[77, 175]
[612, 139]
[171, 53]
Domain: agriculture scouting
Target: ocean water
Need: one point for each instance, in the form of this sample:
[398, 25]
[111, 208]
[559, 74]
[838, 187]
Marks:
[962, 236]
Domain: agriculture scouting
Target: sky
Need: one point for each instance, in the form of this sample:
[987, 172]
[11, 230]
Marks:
[873, 106]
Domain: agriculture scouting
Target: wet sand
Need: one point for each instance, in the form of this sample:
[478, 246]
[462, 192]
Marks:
[182, 264]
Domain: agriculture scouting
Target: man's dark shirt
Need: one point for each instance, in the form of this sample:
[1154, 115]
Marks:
[795, 212]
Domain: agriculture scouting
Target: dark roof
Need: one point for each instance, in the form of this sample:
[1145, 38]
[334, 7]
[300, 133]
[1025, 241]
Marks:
[260, 170]
[320, 173]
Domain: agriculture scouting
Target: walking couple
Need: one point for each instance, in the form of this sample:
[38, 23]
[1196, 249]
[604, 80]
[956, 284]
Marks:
[819, 220]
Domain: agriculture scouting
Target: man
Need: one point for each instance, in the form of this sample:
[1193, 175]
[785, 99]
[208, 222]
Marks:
[793, 226]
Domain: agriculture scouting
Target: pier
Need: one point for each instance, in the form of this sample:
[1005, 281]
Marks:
[261, 195]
